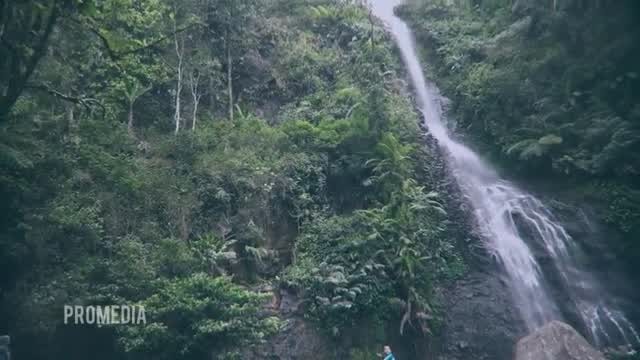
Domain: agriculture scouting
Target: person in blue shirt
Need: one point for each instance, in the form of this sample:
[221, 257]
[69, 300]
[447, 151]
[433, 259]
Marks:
[388, 355]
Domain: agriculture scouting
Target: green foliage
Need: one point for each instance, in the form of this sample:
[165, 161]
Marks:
[353, 267]
[25, 30]
[544, 92]
[484, 55]
[394, 164]
[315, 180]
[196, 316]
[526, 149]
[615, 355]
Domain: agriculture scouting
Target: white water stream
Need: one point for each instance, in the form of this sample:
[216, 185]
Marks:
[513, 221]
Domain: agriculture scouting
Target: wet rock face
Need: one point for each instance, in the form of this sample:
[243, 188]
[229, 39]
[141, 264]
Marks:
[297, 341]
[555, 341]
[5, 340]
[481, 322]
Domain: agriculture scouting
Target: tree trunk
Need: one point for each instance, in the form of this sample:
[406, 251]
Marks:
[184, 226]
[130, 123]
[229, 80]
[371, 31]
[195, 113]
[179, 54]
[194, 84]
[22, 69]
[212, 96]
[176, 116]
[71, 116]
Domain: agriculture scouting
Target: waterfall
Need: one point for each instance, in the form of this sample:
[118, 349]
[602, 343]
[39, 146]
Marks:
[517, 228]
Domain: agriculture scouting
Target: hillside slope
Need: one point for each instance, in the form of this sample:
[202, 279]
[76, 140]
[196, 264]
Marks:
[212, 161]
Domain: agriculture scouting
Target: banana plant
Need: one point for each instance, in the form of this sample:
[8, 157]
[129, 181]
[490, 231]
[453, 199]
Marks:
[133, 91]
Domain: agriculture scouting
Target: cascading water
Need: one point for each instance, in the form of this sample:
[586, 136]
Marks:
[517, 227]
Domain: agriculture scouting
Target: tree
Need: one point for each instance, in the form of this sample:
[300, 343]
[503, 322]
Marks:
[197, 315]
[196, 95]
[179, 47]
[25, 30]
[232, 18]
[133, 91]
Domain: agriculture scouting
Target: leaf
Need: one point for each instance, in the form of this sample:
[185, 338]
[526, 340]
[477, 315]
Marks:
[88, 8]
[11, 157]
[323, 300]
[526, 149]
[550, 139]
[519, 146]
[336, 278]
[533, 150]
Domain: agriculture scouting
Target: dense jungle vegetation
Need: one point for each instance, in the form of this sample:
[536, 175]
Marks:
[190, 156]
[203, 157]
[549, 90]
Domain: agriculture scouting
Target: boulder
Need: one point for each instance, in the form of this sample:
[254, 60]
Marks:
[556, 341]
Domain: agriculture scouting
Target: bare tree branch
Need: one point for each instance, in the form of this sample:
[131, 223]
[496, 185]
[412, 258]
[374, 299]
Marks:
[117, 55]
[87, 103]
[18, 81]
